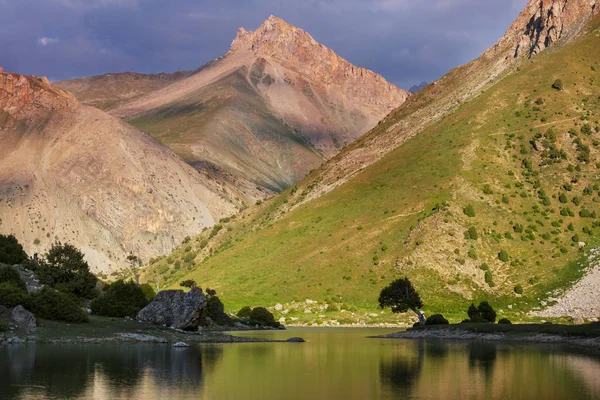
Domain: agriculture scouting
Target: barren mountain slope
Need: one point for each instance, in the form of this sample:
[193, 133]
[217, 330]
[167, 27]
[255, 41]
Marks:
[274, 107]
[111, 90]
[72, 173]
[496, 198]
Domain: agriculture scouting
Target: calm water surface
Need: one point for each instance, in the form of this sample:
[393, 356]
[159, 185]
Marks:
[333, 364]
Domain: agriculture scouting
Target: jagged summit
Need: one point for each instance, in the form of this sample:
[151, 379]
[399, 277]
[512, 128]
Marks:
[273, 32]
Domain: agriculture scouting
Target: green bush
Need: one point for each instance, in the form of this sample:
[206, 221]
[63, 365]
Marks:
[56, 306]
[436, 319]
[519, 289]
[486, 311]
[10, 275]
[558, 85]
[504, 321]
[469, 211]
[12, 295]
[215, 310]
[120, 299]
[503, 256]
[244, 312]
[65, 270]
[11, 251]
[471, 234]
[489, 279]
[261, 316]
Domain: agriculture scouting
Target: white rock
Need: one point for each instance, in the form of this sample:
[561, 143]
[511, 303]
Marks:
[309, 301]
[581, 245]
[278, 307]
[282, 320]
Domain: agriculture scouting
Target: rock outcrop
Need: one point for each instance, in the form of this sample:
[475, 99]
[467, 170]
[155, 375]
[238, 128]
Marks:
[23, 317]
[543, 23]
[175, 309]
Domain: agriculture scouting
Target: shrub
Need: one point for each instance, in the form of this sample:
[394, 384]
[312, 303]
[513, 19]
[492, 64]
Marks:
[12, 295]
[215, 310]
[469, 211]
[471, 234]
[65, 270]
[190, 283]
[436, 319]
[486, 311]
[11, 251]
[473, 312]
[10, 275]
[519, 289]
[56, 306]
[489, 279]
[244, 312]
[503, 256]
[558, 85]
[261, 316]
[504, 321]
[120, 299]
[563, 198]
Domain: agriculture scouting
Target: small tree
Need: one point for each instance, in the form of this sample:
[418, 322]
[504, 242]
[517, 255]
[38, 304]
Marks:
[401, 296]
[135, 263]
[65, 270]
[486, 311]
[190, 283]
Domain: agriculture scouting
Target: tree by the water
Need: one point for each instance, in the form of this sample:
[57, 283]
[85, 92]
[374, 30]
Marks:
[401, 296]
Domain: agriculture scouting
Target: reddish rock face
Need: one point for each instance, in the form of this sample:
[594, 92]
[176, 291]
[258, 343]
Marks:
[296, 50]
[27, 98]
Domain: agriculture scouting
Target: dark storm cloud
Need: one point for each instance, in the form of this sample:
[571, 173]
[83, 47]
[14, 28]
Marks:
[407, 41]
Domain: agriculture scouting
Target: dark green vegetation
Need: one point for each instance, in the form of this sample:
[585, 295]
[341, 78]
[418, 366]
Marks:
[591, 330]
[65, 270]
[401, 296]
[57, 306]
[414, 203]
[11, 251]
[120, 299]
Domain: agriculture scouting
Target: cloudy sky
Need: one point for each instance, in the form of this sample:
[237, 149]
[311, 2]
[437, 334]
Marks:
[407, 41]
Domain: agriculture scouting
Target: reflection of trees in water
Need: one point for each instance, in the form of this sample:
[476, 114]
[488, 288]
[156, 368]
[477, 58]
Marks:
[483, 356]
[59, 371]
[401, 372]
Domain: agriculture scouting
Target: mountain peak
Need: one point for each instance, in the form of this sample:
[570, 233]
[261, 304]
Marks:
[273, 32]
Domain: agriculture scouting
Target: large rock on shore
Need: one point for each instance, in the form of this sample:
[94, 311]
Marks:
[175, 309]
[23, 317]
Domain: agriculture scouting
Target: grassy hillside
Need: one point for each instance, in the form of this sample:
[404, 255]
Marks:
[492, 202]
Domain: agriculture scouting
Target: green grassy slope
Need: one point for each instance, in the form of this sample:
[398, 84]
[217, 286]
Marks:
[522, 154]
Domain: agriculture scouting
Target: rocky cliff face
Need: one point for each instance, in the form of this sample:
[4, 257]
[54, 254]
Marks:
[542, 23]
[72, 173]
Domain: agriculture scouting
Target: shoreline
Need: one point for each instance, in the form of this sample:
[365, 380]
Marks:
[460, 334]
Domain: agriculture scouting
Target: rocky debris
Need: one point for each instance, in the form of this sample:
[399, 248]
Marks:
[23, 317]
[175, 309]
[31, 280]
[582, 301]
[181, 344]
[296, 340]
[278, 307]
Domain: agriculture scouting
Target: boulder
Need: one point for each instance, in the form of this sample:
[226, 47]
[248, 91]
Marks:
[295, 340]
[278, 307]
[181, 344]
[175, 309]
[23, 317]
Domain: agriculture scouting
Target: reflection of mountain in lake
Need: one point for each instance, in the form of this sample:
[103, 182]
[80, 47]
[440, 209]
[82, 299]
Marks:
[122, 371]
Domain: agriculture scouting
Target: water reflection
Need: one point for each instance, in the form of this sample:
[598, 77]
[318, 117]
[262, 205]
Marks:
[338, 364]
[101, 371]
